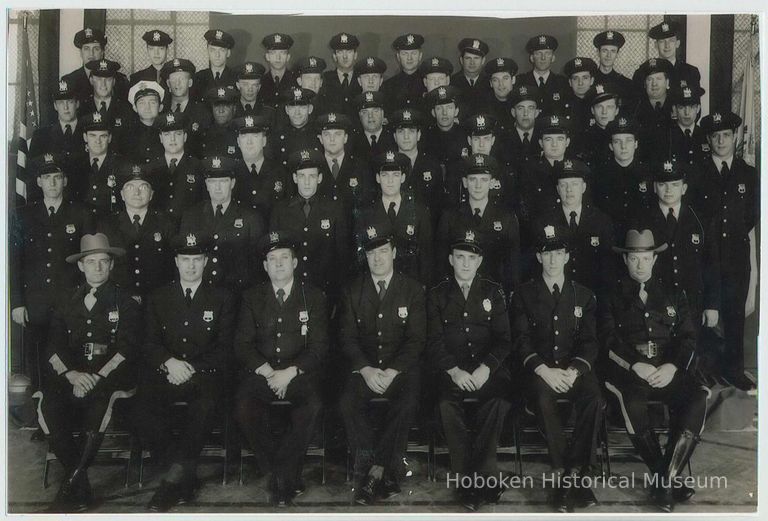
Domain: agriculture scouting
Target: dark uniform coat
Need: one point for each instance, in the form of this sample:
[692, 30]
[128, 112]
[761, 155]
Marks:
[623, 192]
[219, 141]
[687, 149]
[360, 146]
[205, 80]
[353, 187]
[402, 91]
[261, 190]
[98, 190]
[472, 97]
[338, 98]
[270, 93]
[143, 145]
[552, 94]
[177, 191]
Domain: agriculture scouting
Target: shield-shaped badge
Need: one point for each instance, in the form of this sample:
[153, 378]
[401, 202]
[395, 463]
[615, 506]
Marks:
[303, 316]
[705, 147]
[325, 224]
[208, 316]
[556, 96]
[594, 241]
[402, 312]
[577, 311]
[495, 184]
[238, 223]
[70, 229]
[118, 122]
[158, 236]
[497, 226]
[190, 178]
[410, 229]
[137, 298]
[195, 127]
[643, 187]
[114, 316]
[671, 311]
[353, 182]
[427, 176]
[111, 181]
[278, 186]
[695, 239]
[231, 150]
[487, 306]
[742, 188]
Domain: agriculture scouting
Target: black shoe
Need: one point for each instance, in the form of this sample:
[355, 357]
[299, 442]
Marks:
[366, 493]
[585, 498]
[493, 495]
[187, 491]
[682, 494]
[662, 498]
[166, 497]
[563, 499]
[388, 489]
[470, 499]
[299, 488]
[740, 381]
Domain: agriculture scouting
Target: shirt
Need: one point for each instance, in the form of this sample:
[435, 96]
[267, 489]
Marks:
[258, 162]
[339, 160]
[287, 289]
[537, 75]
[177, 157]
[182, 105]
[719, 162]
[397, 200]
[193, 287]
[142, 214]
[551, 282]
[377, 134]
[101, 159]
[72, 124]
[567, 213]
[224, 206]
[387, 279]
[55, 204]
[220, 70]
[665, 209]
[480, 205]
[97, 102]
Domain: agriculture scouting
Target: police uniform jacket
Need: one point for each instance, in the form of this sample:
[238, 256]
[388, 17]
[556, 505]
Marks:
[518, 153]
[294, 334]
[99, 191]
[425, 182]
[219, 141]
[235, 236]
[623, 192]
[661, 327]
[338, 98]
[359, 146]
[468, 332]
[653, 127]
[403, 90]
[80, 84]
[199, 119]
[289, 139]
[38, 270]
[270, 93]
[537, 194]
[472, 97]
[205, 80]
[177, 191]
[559, 334]
[122, 117]
[257, 108]
[200, 334]
[260, 191]
[383, 334]
[445, 146]
[595, 151]
[353, 187]
[143, 144]
[148, 74]
[552, 94]
[148, 262]
[686, 150]
[99, 341]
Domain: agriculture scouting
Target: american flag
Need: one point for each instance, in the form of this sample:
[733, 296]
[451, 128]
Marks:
[28, 116]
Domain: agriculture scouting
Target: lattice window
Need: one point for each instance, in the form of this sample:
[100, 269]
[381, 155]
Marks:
[126, 26]
[14, 61]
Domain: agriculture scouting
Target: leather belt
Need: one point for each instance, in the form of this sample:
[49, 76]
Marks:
[649, 349]
[92, 348]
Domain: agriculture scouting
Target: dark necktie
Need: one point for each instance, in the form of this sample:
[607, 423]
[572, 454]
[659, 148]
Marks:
[277, 80]
[391, 213]
[178, 107]
[188, 296]
[51, 213]
[345, 81]
[657, 107]
[68, 131]
[541, 81]
[218, 76]
[335, 168]
[253, 169]
[477, 216]
[137, 223]
[526, 140]
[307, 207]
[724, 170]
[471, 83]
[95, 165]
[465, 290]
[219, 211]
[688, 133]
[556, 292]
[248, 107]
[373, 140]
[572, 223]
[382, 289]
[671, 223]
[172, 165]
[103, 108]
[280, 296]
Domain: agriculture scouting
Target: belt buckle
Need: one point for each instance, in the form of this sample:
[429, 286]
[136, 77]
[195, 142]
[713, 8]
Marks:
[653, 349]
[88, 350]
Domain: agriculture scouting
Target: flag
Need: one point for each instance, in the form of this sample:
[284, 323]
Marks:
[746, 139]
[28, 116]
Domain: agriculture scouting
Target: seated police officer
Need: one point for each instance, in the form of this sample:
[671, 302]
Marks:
[468, 342]
[647, 329]
[93, 337]
[383, 331]
[189, 326]
[280, 346]
[554, 328]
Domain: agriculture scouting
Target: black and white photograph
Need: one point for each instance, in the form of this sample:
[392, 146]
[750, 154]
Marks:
[392, 262]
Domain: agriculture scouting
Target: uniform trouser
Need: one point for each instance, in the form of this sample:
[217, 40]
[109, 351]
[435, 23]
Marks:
[478, 455]
[93, 411]
[156, 395]
[588, 402]
[253, 409]
[735, 286]
[403, 396]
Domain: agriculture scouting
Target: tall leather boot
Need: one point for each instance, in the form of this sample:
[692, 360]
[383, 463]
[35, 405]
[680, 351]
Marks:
[77, 480]
[679, 451]
[647, 445]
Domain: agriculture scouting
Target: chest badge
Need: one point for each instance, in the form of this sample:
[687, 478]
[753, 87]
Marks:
[705, 147]
[195, 126]
[497, 226]
[742, 188]
[278, 186]
[556, 96]
[70, 229]
[695, 238]
[190, 178]
[465, 152]
[594, 241]
[578, 311]
[118, 122]
[410, 229]
[402, 312]
[238, 223]
[643, 186]
[325, 224]
[113, 316]
[427, 176]
[111, 181]
[353, 182]
[671, 311]
[487, 306]
[495, 184]
[303, 316]
[208, 316]
[158, 236]
[231, 150]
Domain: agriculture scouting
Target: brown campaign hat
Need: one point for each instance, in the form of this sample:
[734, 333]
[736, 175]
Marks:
[640, 241]
[96, 243]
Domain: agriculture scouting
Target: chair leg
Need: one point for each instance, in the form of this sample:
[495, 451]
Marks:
[606, 448]
[516, 440]
[226, 450]
[45, 471]
[128, 463]
[322, 440]
[141, 469]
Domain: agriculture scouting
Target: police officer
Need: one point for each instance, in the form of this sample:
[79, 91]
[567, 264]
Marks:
[498, 102]
[436, 72]
[552, 86]
[91, 44]
[219, 46]
[654, 109]
[157, 51]
[178, 77]
[176, 181]
[309, 75]
[553, 322]
[299, 133]
[580, 72]
[402, 213]
[143, 232]
[220, 138]
[234, 230]
[687, 141]
[383, 332]
[405, 88]
[189, 326]
[445, 139]
[472, 80]
[646, 327]
[93, 340]
[49, 230]
[608, 44]
[104, 99]
[666, 38]
[318, 224]
[343, 83]
[143, 143]
[372, 138]
[370, 73]
[249, 77]
[604, 105]
[469, 342]
[280, 346]
[522, 139]
[278, 78]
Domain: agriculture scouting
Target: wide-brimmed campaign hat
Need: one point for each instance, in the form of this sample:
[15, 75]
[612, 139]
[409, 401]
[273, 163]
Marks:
[96, 243]
[640, 241]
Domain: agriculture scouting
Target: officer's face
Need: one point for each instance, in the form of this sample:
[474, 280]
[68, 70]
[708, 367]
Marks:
[306, 180]
[407, 138]
[311, 81]
[607, 55]
[623, 147]
[66, 109]
[640, 265]
[434, 80]
[409, 60]
[52, 184]
[390, 182]
[656, 85]
[136, 194]
[191, 267]
[687, 114]
[102, 87]
[223, 113]
[173, 141]
[280, 264]
[381, 259]
[148, 107]
[251, 143]
[298, 115]
[571, 190]
[157, 54]
[179, 83]
[581, 82]
[277, 59]
[722, 143]
[91, 51]
[220, 189]
[605, 112]
[249, 89]
[345, 59]
[218, 55]
[465, 264]
[667, 47]
[371, 119]
[445, 115]
[554, 145]
[525, 114]
[671, 192]
[477, 186]
[482, 144]
[333, 140]
[553, 262]
[502, 83]
[370, 81]
[542, 59]
[471, 64]
[97, 141]
[96, 267]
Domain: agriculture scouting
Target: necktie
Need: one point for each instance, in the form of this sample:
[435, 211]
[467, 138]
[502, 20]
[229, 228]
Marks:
[248, 107]
[172, 165]
[465, 290]
[306, 208]
[218, 76]
[253, 169]
[103, 108]
[178, 107]
[688, 133]
[280, 296]
[188, 296]
[658, 106]
[68, 131]
[471, 83]
[90, 299]
[526, 139]
[541, 81]
[335, 168]
[277, 80]
[219, 211]
[391, 212]
[137, 223]
[642, 293]
[572, 223]
[671, 223]
[382, 289]
[95, 165]
[556, 292]
[373, 140]
[345, 81]
[477, 215]
[51, 213]
[724, 170]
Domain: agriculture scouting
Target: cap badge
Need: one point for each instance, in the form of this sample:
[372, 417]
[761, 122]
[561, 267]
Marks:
[441, 92]
[407, 115]
[500, 62]
[668, 167]
[62, 86]
[717, 118]
[312, 62]
[278, 38]
[344, 38]
[390, 156]
[622, 122]
[549, 232]
[665, 27]
[469, 236]
[103, 65]
[274, 237]
[523, 90]
[371, 231]
[410, 39]
[554, 120]
[48, 158]
[170, 118]
[652, 62]
[369, 96]
[609, 35]
[220, 93]
[687, 92]
[156, 36]
[435, 62]
[332, 118]
[216, 162]
[176, 62]
[304, 155]
[480, 121]
[370, 62]
[219, 35]
[191, 240]
[599, 89]
[88, 32]
[248, 67]
[542, 39]
[577, 62]
[475, 44]
[248, 121]
[296, 94]
[136, 170]
[568, 164]
[97, 117]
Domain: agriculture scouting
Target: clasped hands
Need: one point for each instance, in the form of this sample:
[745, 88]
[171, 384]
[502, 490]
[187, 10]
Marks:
[560, 380]
[82, 383]
[467, 381]
[278, 379]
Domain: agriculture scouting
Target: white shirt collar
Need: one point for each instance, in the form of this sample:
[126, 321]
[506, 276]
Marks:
[397, 200]
[567, 213]
[719, 162]
[460, 282]
[691, 128]
[220, 70]
[72, 125]
[377, 134]
[482, 205]
[224, 206]
[330, 159]
[387, 279]
[177, 157]
[141, 213]
[560, 281]
[537, 75]
[182, 104]
[341, 76]
[101, 159]
[258, 163]
[56, 205]
[287, 288]
[520, 133]
[193, 287]
[665, 209]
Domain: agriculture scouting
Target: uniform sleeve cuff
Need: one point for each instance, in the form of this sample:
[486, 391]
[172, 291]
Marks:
[58, 364]
[110, 366]
[533, 361]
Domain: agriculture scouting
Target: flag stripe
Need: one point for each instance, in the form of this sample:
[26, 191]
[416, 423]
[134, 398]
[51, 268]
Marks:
[28, 116]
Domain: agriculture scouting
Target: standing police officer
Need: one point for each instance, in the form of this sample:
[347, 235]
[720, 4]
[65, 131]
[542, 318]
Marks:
[342, 84]
[157, 50]
[472, 81]
[406, 87]
[219, 46]
[278, 77]
[552, 87]
[91, 43]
